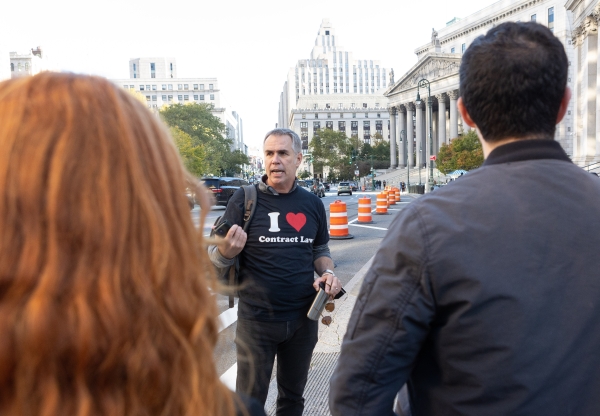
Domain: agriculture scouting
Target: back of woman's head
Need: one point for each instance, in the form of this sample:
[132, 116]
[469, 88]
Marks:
[104, 305]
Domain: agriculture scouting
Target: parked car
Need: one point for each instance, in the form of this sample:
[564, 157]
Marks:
[223, 187]
[354, 186]
[326, 185]
[304, 185]
[318, 189]
[344, 188]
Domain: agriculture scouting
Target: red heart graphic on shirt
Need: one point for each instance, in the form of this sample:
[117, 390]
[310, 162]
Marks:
[296, 220]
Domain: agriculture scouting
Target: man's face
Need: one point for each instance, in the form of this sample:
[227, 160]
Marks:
[281, 162]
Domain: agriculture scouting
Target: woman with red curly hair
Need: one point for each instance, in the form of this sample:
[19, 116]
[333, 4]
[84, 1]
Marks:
[104, 300]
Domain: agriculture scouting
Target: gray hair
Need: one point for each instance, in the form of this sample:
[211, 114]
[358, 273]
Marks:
[296, 142]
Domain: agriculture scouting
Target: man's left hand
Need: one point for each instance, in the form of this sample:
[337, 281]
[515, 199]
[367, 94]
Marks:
[332, 284]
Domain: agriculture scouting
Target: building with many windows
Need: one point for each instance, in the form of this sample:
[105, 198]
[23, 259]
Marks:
[438, 64]
[333, 90]
[156, 79]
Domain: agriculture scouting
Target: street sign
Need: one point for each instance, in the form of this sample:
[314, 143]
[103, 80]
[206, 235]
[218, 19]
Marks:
[356, 172]
[432, 157]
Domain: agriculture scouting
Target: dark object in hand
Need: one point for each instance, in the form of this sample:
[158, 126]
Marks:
[223, 228]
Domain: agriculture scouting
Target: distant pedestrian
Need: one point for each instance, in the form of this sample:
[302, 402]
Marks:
[384, 184]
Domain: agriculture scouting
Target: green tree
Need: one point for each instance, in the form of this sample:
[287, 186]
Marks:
[192, 155]
[333, 149]
[207, 130]
[463, 153]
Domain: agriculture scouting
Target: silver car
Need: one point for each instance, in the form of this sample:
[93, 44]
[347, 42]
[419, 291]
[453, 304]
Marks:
[344, 188]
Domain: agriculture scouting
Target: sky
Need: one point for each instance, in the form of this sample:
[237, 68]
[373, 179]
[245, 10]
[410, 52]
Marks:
[248, 46]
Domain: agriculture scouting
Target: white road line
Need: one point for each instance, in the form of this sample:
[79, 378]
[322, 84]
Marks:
[368, 226]
[228, 317]
[229, 377]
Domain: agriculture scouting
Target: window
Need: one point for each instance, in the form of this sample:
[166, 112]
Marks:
[141, 88]
[533, 17]
[328, 115]
[147, 98]
[353, 115]
[186, 98]
[551, 19]
[378, 115]
[186, 86]
[170, 98]
[164, 87]
[152, 70]
[170, 87]
[463, 47]
[303, 116]
[154, 98]
[201, 97]
[202, 87]
[329, 125]
[212, 96]
[364, 105]
[341, 115]
[154, 88]
[315, 106]
[341, 125]
[366, 126]
[210, 86]
[366, 115]
[180, 97]
[12, 68]
[134, 68]
[316, 115]
[353, 105]
[316, 126]
[196, 97]
[341, 105]
[179, 86]
[452, 50]
[163, 97]
[195, 86]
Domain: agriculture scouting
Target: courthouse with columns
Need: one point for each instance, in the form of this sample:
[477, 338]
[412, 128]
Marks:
[574, 23]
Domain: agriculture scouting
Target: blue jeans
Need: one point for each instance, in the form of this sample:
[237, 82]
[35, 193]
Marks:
[257, 344]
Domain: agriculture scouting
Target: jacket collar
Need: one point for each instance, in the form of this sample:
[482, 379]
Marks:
[263, 187]
[521, 150]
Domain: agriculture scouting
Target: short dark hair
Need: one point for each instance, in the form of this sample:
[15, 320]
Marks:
[512, 81]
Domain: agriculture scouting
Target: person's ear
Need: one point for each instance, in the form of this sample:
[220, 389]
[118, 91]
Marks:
[464, 113]
[564, 103]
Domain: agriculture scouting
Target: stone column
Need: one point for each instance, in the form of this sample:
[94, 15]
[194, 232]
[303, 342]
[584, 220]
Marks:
[401, 138]
[392, 111]
[441, 119]
[453, 114]
[410, 134]
[419, 136]
[589, 84]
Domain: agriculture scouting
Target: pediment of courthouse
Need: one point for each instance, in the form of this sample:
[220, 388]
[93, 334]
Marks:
[440, 69]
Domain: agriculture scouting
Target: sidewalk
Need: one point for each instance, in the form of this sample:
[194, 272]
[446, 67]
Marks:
[326, 352]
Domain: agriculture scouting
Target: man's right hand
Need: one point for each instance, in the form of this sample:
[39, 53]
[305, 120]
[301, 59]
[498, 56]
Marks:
[235, 240]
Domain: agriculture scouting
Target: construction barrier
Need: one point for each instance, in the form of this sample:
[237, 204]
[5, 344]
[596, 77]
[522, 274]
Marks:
[397, 194]
[338, 221]
[382, 204]
[391, 196]
[364, 210]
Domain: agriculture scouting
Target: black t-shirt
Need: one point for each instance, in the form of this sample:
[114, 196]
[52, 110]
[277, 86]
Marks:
[276, 265]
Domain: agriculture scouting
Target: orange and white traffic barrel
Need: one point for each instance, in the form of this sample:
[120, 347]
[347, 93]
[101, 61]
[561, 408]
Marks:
[338, 221]
[397, 194]
[364, 210]
[391, 196]
[382, 204]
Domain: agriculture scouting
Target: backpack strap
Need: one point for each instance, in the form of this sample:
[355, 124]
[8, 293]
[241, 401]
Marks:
[250, 197]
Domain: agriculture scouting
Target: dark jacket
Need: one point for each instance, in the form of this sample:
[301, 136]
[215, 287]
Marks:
[484, 297]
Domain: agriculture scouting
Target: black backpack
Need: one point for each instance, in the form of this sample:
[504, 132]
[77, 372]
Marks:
[229, 276]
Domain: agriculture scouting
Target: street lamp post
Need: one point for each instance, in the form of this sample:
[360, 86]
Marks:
[403, 136]
[424, 83]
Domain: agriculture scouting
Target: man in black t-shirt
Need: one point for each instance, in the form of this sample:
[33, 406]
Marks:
[287, 241]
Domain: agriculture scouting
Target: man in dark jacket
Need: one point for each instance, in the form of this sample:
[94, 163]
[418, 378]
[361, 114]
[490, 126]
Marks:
[485, 295]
